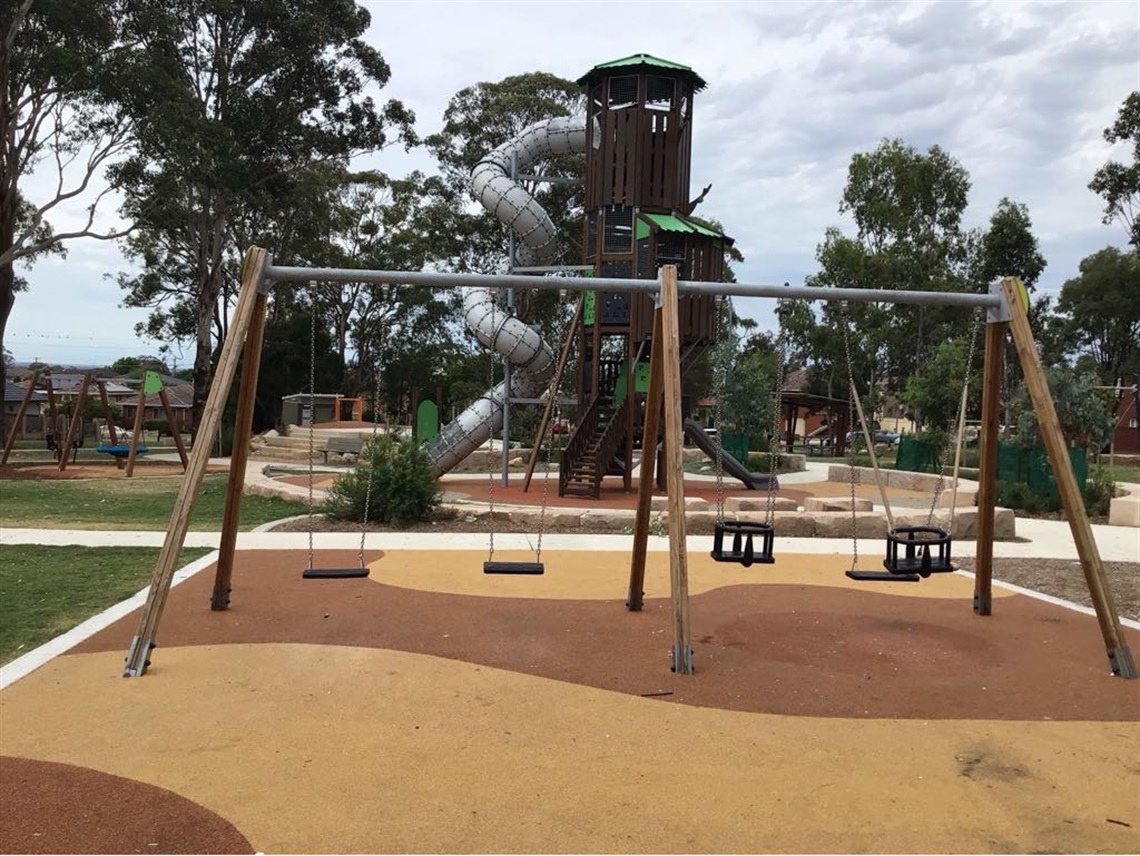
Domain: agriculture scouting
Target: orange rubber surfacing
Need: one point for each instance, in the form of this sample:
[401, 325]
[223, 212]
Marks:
[429, 707]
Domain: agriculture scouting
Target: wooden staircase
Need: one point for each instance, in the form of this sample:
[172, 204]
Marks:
[586, 459]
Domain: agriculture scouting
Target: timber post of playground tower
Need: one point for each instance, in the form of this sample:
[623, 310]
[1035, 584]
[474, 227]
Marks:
[637, 204]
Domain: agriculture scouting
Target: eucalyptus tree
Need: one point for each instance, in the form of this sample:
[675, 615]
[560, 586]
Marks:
[56, 123]
[1119, 183]
[241, 103]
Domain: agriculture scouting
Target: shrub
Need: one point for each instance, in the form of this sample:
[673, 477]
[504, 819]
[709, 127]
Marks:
[404, 484]
[1099, 491]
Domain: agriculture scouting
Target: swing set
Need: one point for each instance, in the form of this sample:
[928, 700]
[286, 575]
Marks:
[64, 434]
[1005, 306]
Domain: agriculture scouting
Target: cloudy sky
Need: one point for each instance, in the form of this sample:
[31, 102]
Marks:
[1019, 92]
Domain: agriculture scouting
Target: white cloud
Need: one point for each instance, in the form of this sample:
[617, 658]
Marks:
[1017, 91]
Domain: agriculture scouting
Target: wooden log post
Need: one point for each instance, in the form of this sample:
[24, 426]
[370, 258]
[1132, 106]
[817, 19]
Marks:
[675, 472]
[11, 439]
[649, 432]
[239, 455]
[870, 441]
[138, 654]
[993, 363]
[75, 422]
[1049, 427]
[136, 432]
[555, 384]
[175, 430]
[108, 414]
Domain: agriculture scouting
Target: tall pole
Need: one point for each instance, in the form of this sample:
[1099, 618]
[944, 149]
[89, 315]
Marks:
[138, 655]
[675, 472]
[19, 420]
[239, 455]
[1049, 427]
[76, 421]
[994, 361]
[650, 429]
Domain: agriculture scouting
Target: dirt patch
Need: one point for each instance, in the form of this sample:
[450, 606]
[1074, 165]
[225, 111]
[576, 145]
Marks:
[1063, 578]
[44, 471]
[104, 814]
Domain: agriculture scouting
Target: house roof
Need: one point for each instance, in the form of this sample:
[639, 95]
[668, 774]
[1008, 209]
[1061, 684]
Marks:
[68, 383]
[15, 392]
[796, 380]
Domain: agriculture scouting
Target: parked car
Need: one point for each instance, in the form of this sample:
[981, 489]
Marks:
[889, 438]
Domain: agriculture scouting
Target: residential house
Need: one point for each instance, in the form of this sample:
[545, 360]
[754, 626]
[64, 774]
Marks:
[179, 392]
[33, 421]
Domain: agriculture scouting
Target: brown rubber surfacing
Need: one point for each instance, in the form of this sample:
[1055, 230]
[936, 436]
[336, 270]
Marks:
[806, 650]
[104, 814]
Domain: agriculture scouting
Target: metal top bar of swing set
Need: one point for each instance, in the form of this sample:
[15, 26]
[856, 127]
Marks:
[434, 279]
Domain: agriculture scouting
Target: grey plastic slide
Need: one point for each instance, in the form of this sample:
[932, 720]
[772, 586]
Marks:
[751, 480]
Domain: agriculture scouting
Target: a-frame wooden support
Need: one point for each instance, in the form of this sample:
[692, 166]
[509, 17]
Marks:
[1012, 317]
[555, 383]
[75, 423]
[239, 455]
[18, 421]
[137, 660]
[664, 396]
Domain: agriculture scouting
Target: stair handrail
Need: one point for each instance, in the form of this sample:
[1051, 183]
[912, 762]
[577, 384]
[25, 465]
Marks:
[612, 438]
[577, 443]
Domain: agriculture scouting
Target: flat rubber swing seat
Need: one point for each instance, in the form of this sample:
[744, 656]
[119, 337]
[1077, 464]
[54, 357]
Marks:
[333, 573]
[883, 577]
[534, 568]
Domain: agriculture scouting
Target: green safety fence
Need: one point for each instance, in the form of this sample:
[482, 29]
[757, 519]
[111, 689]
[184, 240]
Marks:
[1030, 465]
[916, 456]
[735, 445]
[1027, 465]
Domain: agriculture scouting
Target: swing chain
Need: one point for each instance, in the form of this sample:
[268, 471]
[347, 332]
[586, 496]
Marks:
[774, 443]
[491, 435]
[556, 414]
[312, 405]
[940, 486]
[852, 471]
[722, 348]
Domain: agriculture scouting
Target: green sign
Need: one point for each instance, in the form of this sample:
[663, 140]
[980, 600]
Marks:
[427, 421]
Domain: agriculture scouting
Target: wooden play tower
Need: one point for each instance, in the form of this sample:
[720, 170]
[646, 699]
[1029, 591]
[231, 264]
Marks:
[637, 207]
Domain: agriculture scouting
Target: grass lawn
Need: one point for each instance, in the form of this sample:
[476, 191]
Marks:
[128, 504]
[45, 591]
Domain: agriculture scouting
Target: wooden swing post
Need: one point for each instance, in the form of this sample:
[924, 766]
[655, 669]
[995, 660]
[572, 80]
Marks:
[1049, 427]
[19, 418]
[239, 455]
[75, 422]
[650, 429]
[137, 660]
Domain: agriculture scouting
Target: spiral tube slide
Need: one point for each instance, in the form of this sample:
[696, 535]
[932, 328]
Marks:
[493, 326]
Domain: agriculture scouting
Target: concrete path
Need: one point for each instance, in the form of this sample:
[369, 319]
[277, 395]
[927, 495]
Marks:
[1036, 538]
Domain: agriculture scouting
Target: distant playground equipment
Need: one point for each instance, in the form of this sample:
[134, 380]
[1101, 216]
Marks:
[64, 433]
[637, 105]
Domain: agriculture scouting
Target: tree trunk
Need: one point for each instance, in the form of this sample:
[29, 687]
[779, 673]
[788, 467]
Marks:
[7, 299]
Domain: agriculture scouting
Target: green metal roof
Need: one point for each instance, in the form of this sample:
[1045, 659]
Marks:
[675, 223]
[640, 59]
